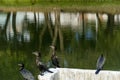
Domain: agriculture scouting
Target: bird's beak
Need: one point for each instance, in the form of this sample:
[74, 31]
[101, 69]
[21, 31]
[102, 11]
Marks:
[50, 46]
[19, 64]
[34, 53]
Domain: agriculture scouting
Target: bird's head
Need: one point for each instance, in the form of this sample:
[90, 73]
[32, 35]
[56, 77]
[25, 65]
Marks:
[36, 53]
[21, 65]
[101, 55]
[52, 47]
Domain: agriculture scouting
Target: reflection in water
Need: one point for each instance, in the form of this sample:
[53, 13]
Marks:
[80, 38]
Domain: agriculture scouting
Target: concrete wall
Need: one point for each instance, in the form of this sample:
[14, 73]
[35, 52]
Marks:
[80, 74]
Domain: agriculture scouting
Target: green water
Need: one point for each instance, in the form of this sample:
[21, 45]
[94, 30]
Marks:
[79, 37]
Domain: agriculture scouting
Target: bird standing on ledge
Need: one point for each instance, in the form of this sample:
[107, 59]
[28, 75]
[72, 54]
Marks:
[39, 64]
[100, 63]
[27, 75]
[54, 58]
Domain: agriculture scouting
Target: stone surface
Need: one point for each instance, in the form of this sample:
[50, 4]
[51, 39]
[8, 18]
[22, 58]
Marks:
[80, 74]
[49, 76]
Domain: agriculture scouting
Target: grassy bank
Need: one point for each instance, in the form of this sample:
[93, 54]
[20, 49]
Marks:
[108, 6]
[56, 2]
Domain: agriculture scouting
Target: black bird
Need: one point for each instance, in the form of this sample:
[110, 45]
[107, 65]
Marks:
[40, 65]
[27, 75]
[54, 58]
[100, 63]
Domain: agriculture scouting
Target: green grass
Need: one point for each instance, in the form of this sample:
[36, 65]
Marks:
[55, 3]
[108, 6]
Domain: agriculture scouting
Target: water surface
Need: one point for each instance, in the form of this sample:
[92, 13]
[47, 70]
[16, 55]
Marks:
[79, 37]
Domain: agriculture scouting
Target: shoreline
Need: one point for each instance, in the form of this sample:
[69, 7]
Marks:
[100, 9]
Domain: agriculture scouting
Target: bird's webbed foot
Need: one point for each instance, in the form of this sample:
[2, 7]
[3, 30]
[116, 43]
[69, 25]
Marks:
[41, 74]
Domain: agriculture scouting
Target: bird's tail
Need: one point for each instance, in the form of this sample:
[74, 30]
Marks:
[58, 66]
[97, 71]
[49, 71]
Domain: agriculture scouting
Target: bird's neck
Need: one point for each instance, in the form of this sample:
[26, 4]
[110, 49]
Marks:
[53, 52]
[21, 68]
[37, 59]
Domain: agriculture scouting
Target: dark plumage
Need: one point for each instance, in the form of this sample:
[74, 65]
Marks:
[100, 63]
[54, 58]
[39, 64]
[27, 75]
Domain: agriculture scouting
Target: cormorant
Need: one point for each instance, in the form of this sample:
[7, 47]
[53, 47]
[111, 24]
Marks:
[100, 63]
[54, 58]
[39, 64]
[27, 75]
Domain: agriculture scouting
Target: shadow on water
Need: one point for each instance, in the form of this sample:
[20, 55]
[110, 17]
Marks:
[80, 38]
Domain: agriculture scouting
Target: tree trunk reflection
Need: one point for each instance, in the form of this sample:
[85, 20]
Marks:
[14, 30]
[57, 31]
[110, 24]
[6, 24]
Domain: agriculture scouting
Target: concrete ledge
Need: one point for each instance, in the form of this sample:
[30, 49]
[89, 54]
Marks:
[50, 76]
[80, 74]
